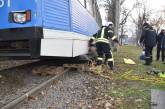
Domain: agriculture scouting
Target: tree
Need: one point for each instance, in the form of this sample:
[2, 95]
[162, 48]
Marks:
[143, 15]
[125, 13]
[109, 6]
[112, 11]
[158, 23]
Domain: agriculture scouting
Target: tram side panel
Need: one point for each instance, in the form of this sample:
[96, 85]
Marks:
[67, 28]
[35, 28]
[56, 28]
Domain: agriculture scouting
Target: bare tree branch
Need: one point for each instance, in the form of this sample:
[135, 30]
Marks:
[122, 2]
[143, 15]
[126, 14]
[158, 23]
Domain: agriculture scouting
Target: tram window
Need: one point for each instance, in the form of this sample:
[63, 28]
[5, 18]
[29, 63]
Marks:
[89, 5]
[82, 2]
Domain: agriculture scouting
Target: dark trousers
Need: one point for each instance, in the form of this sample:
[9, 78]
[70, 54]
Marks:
[103, 49]
[163, 54]
[158, 51]
[148, 55]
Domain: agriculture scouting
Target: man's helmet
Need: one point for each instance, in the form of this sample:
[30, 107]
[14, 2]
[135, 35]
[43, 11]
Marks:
[108, 24]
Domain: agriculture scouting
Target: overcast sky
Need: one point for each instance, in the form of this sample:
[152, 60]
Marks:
[156, 4]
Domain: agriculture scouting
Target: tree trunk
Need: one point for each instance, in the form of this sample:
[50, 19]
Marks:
[117, 17]
[117, 20]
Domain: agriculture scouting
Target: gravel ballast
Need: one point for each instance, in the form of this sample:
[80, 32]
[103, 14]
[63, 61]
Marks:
[72, 90]
[16, 81]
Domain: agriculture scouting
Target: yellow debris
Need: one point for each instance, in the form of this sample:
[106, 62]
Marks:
[161, 75]
[129, 61]
[102, 71]
[96, 70]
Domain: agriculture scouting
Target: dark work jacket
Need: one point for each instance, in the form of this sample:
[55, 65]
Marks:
[163, 42]
[148, 37]
[159, 40]
[104, 35]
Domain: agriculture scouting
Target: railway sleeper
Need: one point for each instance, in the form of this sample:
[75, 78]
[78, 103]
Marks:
[48, 70]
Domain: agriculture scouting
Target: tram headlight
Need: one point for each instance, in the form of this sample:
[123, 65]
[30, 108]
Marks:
[21, 16]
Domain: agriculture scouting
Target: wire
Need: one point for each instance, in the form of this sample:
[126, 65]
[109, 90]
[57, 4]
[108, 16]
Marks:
[128, 75]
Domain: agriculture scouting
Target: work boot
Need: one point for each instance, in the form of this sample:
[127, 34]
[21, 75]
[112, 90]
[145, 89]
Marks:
[99, 62]
[148, 61]
[110, 65]
[151, 59]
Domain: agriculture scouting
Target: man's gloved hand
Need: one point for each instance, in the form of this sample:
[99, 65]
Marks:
[92, 46]
[91, 40]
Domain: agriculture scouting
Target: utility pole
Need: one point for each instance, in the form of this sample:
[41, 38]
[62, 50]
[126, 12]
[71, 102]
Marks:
[117, 17]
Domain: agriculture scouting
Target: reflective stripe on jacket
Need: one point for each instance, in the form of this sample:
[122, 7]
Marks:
[103, 35]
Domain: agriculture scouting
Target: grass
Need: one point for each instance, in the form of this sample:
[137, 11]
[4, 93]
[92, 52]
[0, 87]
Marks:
[132, 93]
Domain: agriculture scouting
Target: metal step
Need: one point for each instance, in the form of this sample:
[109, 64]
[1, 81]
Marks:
[16, 52]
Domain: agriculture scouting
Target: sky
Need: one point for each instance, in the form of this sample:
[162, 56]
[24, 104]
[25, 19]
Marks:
[156, 4]
[153, 4]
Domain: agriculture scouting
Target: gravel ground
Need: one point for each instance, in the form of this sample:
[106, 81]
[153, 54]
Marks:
[17, 80]
[9, 64]
[73, 91]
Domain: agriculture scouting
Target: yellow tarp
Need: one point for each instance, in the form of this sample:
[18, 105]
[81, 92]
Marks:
[129, 61]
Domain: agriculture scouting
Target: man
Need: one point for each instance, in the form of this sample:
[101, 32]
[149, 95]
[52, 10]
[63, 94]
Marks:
[102, 38]
[159, 41]
[148, 39]
[163, 46]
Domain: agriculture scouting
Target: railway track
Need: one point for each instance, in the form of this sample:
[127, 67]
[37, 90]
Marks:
[35, 90]
[17, 80]
[21, 83]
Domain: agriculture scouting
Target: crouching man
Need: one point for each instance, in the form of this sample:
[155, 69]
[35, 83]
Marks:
[102, 39]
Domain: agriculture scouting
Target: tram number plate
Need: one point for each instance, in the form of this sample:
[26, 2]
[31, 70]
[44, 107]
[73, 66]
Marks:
[5, 2]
